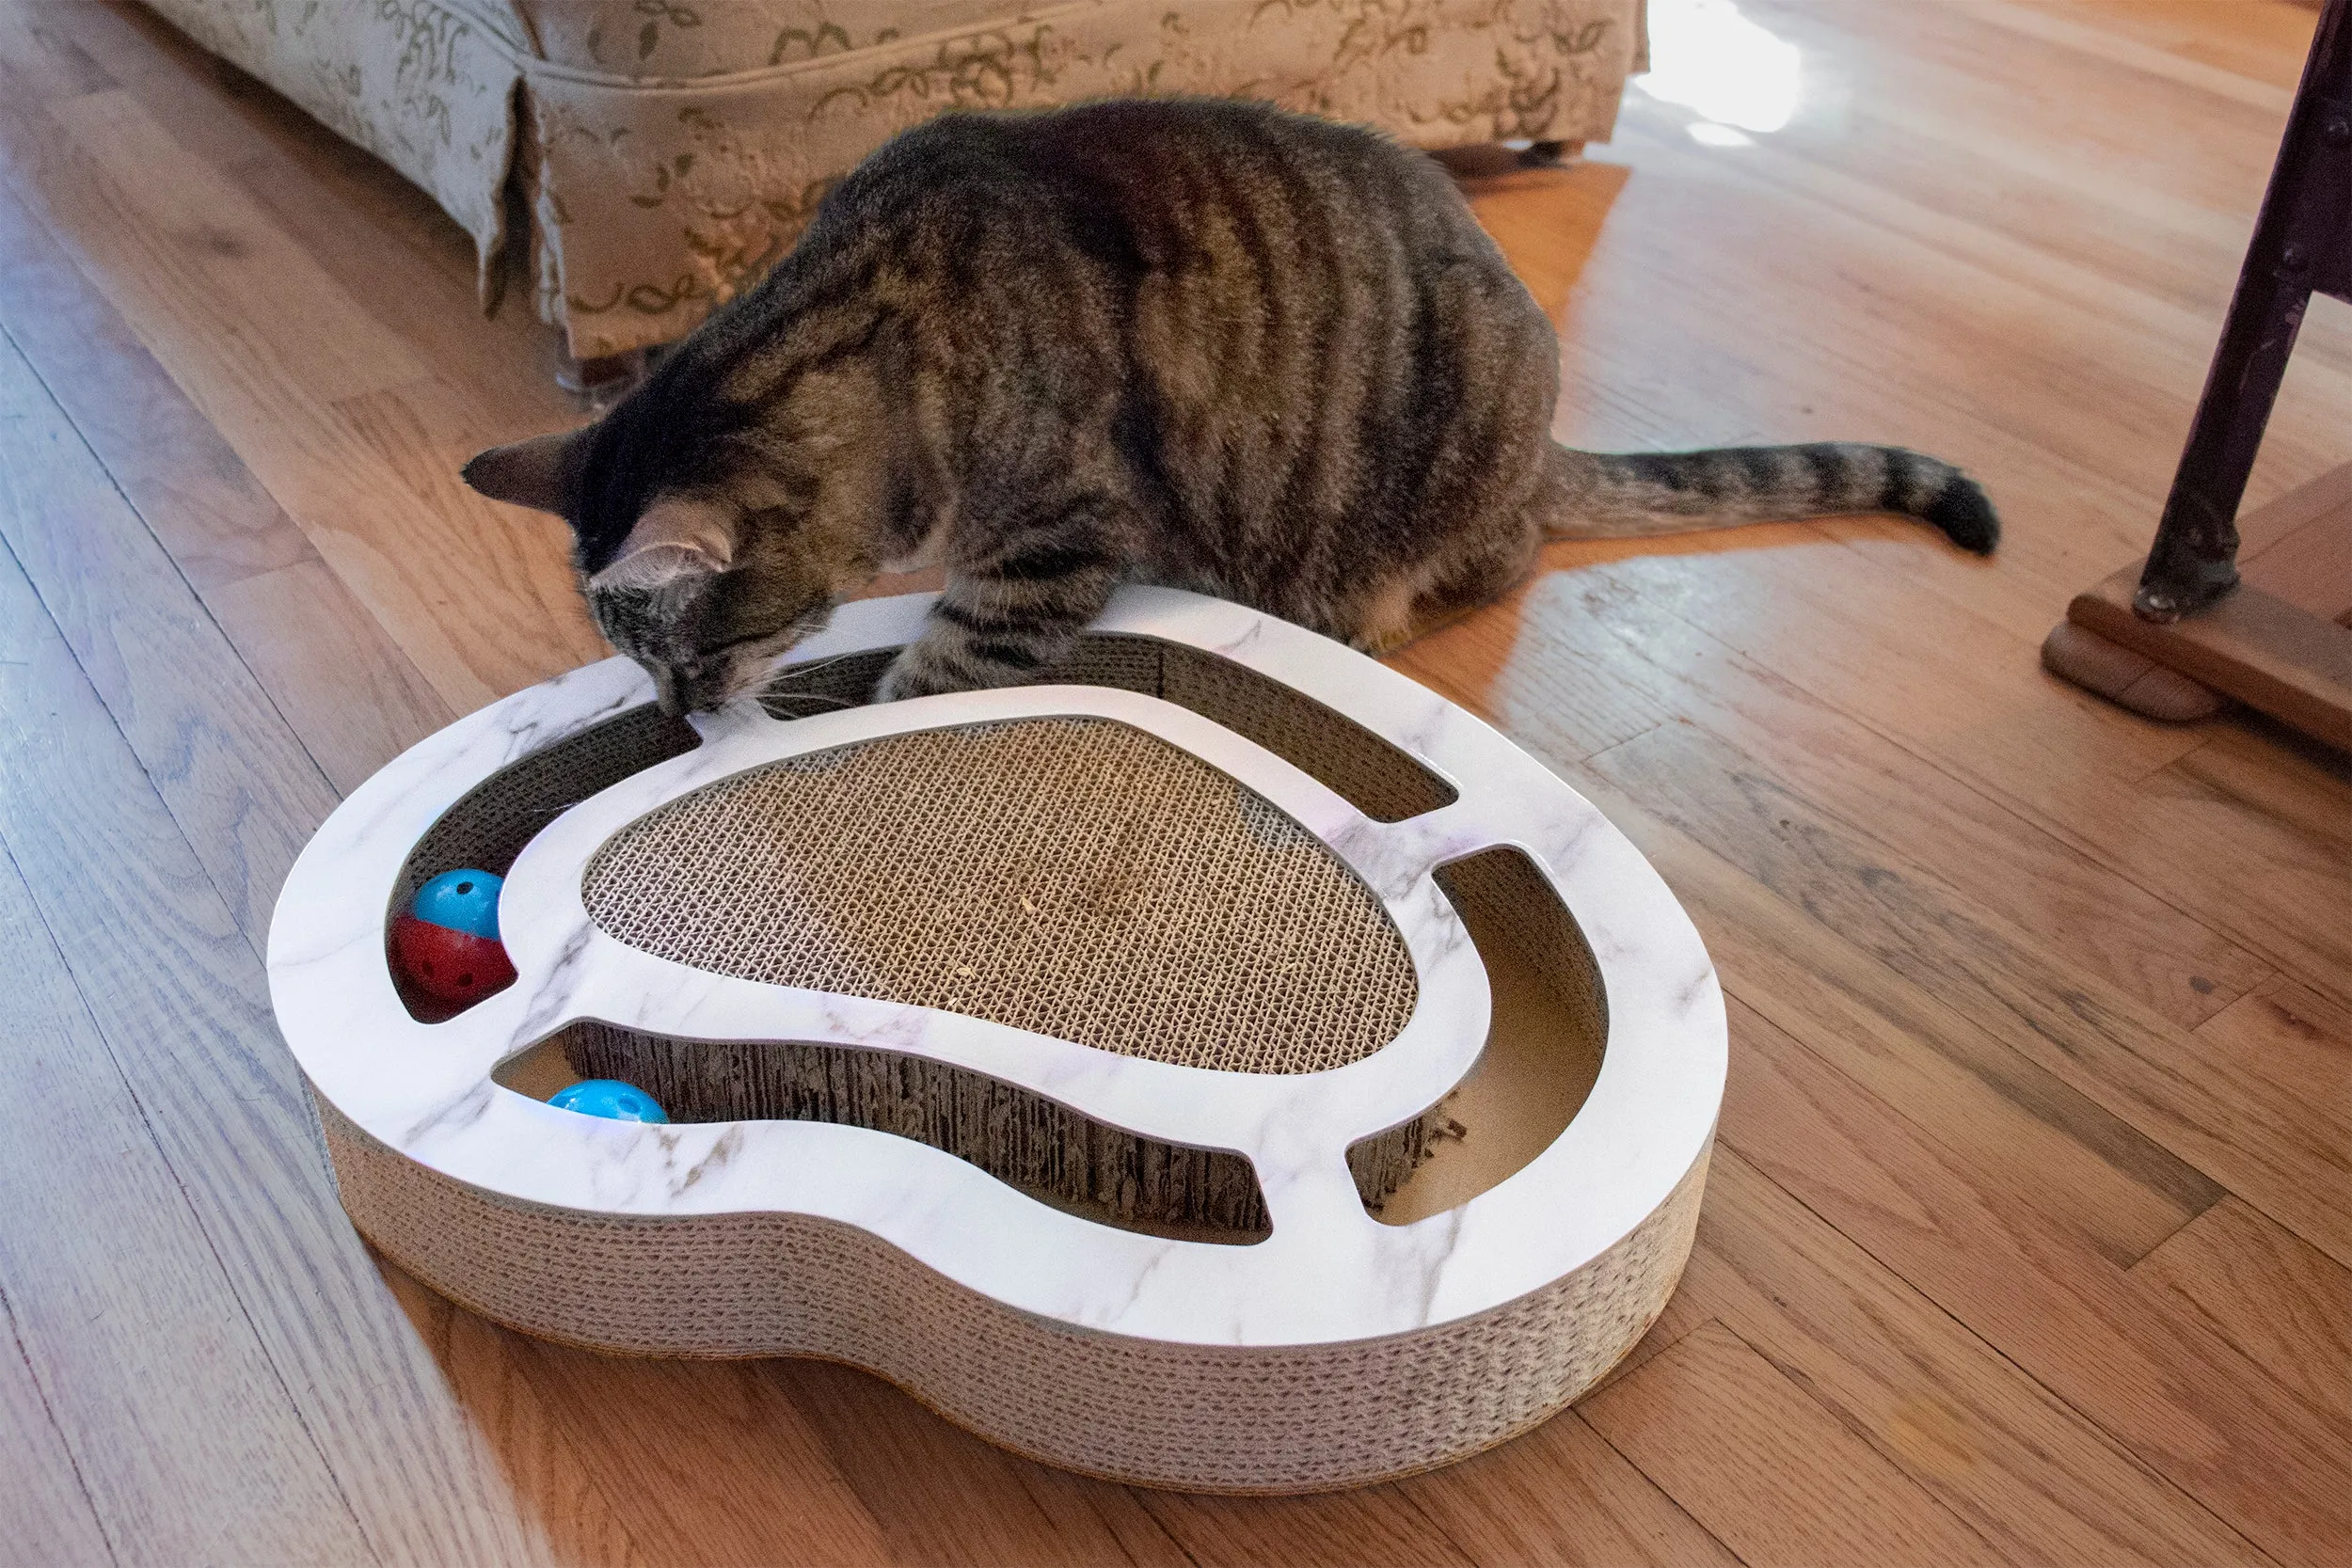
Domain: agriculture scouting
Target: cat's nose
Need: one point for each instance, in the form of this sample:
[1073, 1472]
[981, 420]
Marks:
[696, 688]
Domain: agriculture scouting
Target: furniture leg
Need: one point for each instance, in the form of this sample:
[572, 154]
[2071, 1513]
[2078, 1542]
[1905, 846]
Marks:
[602, 380]
[2299, 247]
[2187, 629]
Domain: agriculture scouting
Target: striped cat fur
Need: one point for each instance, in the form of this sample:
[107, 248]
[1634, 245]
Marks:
[1209, 344]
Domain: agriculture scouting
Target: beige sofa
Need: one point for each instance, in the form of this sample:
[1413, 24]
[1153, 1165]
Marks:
[667, 151]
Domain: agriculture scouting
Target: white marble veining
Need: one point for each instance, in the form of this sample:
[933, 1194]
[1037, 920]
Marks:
[1327, 1271]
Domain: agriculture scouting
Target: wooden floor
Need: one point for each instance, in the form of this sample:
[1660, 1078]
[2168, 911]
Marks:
[2031, 1222]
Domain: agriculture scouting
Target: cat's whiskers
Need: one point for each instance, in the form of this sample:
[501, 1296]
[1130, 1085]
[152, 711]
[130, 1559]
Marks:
[781, 696]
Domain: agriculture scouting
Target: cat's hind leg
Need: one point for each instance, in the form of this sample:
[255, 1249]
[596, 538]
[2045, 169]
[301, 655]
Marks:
[1012, 611]
[1414, 602]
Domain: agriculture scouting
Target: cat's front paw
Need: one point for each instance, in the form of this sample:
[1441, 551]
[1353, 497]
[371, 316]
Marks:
[911, 675]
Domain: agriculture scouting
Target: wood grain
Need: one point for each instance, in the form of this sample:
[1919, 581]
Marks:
[2027, 1236]
[2157, 1077]
[176, 992]
[139, 1333]
[2045, 1142]
[241, 787]
[940, 1495]
[567, 1515]
[2189, 1404]
[2280, 1300]
[203, 505]
[349, 696]
[128, 215]
[1561, 1495]
[2030, 1474]
[1767, 1468]
[45, 1512]
[697, 1464]
[1376, 1528]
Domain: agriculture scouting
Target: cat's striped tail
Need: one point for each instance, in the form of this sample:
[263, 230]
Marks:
[1626, 495]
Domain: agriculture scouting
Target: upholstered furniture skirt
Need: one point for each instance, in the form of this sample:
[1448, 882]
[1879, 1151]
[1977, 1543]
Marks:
[667, 151]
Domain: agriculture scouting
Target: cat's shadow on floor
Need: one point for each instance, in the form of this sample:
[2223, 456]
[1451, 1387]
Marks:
[1556, 627]
[1548, 220]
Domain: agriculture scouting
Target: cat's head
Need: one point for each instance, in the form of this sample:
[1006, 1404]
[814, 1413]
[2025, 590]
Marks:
[709, 538]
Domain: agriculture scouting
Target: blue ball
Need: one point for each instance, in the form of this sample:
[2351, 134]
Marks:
[463, 900]
[610, 1098]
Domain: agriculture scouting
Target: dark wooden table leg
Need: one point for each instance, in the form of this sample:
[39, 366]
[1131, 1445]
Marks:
[2164, 638]
[2302, 244]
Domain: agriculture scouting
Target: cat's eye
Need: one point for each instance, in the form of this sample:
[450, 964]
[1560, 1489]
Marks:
[720, 650]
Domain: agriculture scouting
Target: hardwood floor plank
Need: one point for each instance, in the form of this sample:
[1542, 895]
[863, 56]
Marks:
[1766, 1468]
[941, 1496]
[256, 287]
[353, 698]
[1560, 1495]
[1558, 705]
[426, 432]
[240, 785]
[2075, 417]
[2182, 1398]
[2272, 1142]
[2071, 904]
[696, 1461]
[183, 1435]
[2253, 877]
[2301, 788]
[503, 365]
[2047, 27]
[2046, 1142]
[2041, 379]
[2280, 1300]
[2292, 1047]
[433, 582]
[35, 46]
[568, 1511]
[46, 1514]
[177, 994]
[2089, 176]
[1374, 1527]
[2264, 42]
[350, 696]
[216, 521]
[2033, 1477]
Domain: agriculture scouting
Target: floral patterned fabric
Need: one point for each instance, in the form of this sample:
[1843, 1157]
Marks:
[671, 149]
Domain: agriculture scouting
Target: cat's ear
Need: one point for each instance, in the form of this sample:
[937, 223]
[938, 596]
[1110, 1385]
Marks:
[676, 547]
[534, 473]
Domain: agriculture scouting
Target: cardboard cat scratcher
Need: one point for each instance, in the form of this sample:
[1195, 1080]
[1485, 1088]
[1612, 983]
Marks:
[1229, 1066]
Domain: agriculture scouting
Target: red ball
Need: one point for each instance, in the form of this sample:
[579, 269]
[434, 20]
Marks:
[453, 967]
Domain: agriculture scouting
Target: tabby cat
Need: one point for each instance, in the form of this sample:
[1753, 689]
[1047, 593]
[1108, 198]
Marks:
[1208, 344]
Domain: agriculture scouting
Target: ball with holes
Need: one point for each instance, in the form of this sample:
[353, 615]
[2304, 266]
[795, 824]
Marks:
[446, 947]
[462, 901]
[608, 1097]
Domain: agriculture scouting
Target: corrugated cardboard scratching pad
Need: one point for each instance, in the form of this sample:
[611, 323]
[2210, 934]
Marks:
[1072, 877]
[1225, 1065]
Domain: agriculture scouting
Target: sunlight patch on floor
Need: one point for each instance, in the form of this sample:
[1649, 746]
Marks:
[1734, 75]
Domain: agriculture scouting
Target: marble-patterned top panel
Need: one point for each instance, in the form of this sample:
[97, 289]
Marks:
[1328, 1271]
